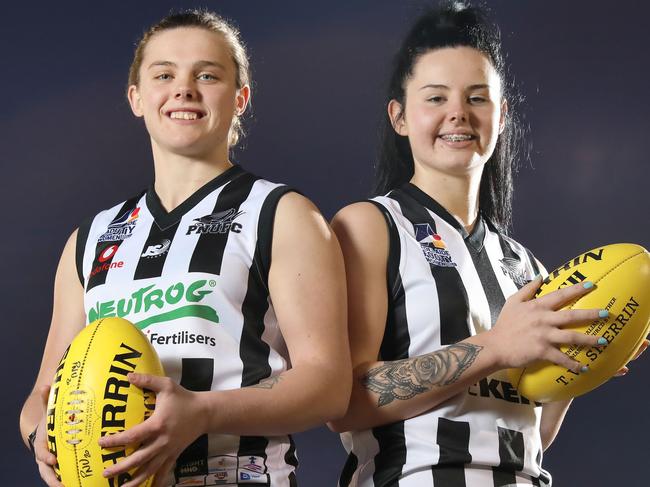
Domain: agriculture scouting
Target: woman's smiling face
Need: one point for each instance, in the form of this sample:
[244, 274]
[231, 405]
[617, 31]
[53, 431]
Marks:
[188, 92]
[453, 111]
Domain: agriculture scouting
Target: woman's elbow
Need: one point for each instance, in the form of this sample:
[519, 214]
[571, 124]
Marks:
[339, 425]
[335, 397]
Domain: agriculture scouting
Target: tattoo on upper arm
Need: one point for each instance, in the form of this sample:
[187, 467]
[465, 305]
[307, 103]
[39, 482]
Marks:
[404, 379]
[267, 383]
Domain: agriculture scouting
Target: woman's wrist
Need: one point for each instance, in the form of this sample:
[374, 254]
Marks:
[492, 345]
[206, 403]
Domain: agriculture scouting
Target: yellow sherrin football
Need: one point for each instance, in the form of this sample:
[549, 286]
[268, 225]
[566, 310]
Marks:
[91, 397]
[621, 275]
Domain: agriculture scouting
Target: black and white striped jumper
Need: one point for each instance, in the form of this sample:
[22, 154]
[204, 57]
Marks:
[444, 286]
[195, 281]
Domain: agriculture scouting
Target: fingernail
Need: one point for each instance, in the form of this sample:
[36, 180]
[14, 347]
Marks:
[588, 285]
[603, 313]
[537, 277]
[602, 341]
[584, 368]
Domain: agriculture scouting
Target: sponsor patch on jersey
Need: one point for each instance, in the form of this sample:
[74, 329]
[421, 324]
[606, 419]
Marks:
[249, 477]
[151, 304]
[180, 338]
[433, 247]
[220, 222]
[106, 266]
[222, 462]
[157, 250]
[122, 228]
[255, 464]
[514, 269]
[223, 477]
[107, 253]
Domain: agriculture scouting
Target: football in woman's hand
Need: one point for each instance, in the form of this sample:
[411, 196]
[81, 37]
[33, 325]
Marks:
[621, 276]
[91, 397]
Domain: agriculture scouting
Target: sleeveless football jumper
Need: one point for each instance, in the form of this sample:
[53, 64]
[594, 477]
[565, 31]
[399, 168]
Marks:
[195, 281]
[445, 285]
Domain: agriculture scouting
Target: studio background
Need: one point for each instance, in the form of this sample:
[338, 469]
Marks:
[70, 147]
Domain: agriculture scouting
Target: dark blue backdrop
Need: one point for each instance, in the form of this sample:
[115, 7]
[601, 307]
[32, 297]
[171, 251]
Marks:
[71, 147]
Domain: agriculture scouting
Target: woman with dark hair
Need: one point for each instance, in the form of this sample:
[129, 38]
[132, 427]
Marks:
[245, 316]
[440, 298]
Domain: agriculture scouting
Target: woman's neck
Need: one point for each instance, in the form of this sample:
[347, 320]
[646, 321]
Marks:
[459, 195]
[179, 176]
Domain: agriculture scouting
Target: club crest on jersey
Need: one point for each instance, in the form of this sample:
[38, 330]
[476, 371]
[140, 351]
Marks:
[157, 250]
[432, 245]
[514, 269]
[220, 222]
[122, 227]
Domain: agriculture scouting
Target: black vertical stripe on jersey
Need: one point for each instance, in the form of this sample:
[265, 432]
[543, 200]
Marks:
[196, 375]
[253, 351]
[452, 295]
[208, 253]
[511, 457]
[100, 277]
[489, 282]
[453, 443]
[80, 247]
[291, 459]
[265, 228]
[396, 341]
[390, 460]
[152, 266]
[351, 464]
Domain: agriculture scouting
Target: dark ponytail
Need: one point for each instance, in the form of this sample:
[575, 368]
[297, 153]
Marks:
[454, 24]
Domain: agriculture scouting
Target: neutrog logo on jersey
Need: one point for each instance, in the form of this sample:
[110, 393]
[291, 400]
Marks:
[157, 250]
[160, 304]
[433, 247]
[220, 222]
[122, 228]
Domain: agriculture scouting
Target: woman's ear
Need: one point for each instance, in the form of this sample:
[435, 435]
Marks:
[396, 115]
[241, 99]
[134, 101]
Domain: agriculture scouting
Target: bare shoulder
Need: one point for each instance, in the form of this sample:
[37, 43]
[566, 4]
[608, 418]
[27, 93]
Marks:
[362, 231]
[297, 215]
[362, 213]
[294, 205]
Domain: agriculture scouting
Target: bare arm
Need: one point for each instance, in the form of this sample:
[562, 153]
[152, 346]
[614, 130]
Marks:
[68, 319]
[385, 392]
[307, 287]
[552, 417]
